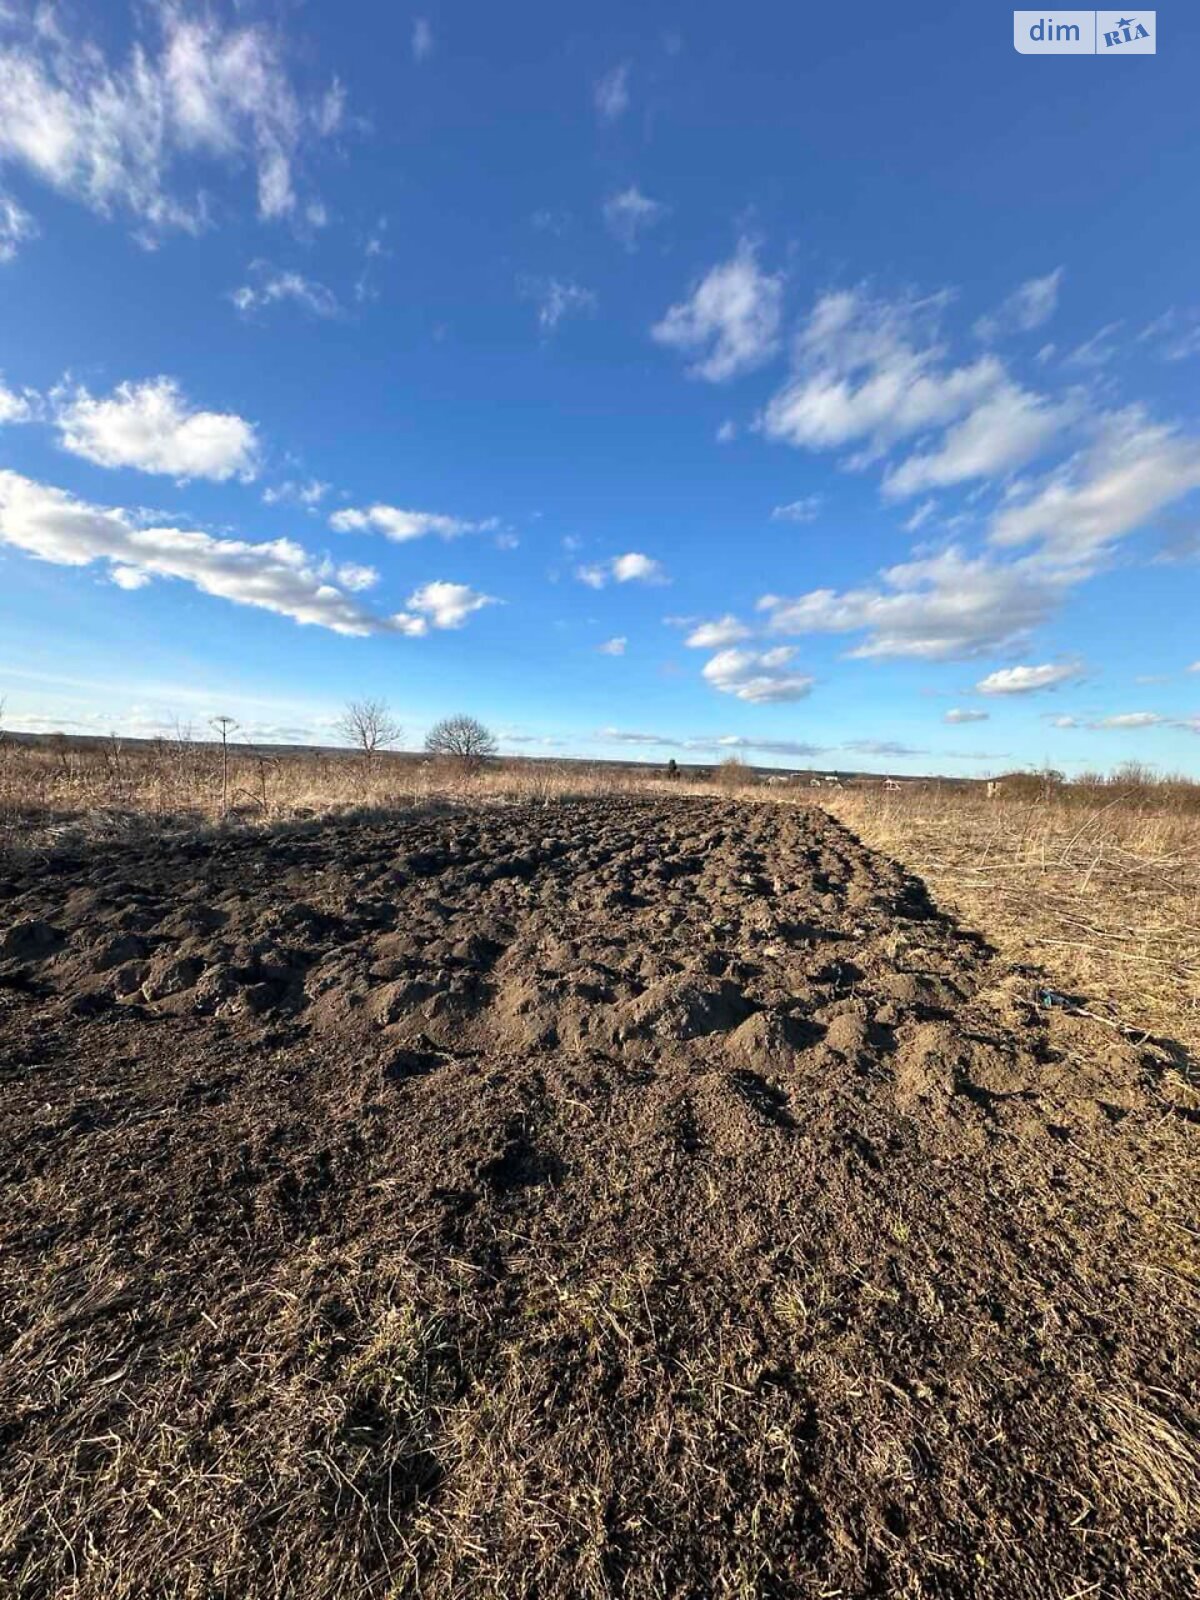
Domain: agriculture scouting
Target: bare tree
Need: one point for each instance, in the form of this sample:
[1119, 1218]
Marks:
[370, 727]
[224, 726]
[463, 740]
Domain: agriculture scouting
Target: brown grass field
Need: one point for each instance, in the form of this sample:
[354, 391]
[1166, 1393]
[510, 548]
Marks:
[554, 1181]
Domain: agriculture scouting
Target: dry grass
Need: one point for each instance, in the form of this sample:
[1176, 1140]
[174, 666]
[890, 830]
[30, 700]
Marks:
[59, 788]
[1101, 890]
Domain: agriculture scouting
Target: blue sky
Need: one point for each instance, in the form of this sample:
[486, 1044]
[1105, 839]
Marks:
[817, 387]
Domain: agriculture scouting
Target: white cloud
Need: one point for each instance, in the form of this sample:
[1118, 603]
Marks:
[16, 407]
[1134, 469]
[727, 741]
[713, 635]
[130, 577]
[1128, 722]
[556, 298]
[308, 494]
[727, 432]
[1175, 336]
[355, 577]
[613, 647]
[151, 427]
[958, 716]
[1133, 719]
[920, 516]
[111, 136]
[1004, 431]
[278, 576]
[633, 567]
[872, 370]
[276, 288]
[422, 39]
[611, 94]
[1028, 307]
[805, 509]
[881, 747]
[629, 213]
[1195, 667]
[768, 747]
[759, 676]
[620, 736]
[448, 605]
[943, 607]
[1028, 680]
[636, 567]
[1097, 351]
[402, 526]
[17, 227]
[730, 321]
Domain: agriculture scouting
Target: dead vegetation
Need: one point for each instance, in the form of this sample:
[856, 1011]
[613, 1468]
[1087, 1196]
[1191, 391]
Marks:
[62, 787]
[1097, 885]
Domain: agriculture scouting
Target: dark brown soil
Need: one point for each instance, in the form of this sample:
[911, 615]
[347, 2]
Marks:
[635, 1197]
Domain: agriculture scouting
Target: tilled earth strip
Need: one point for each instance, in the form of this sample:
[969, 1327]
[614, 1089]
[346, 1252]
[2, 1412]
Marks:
[631, 1197]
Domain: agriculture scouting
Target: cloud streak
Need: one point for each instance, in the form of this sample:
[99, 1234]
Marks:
[401, 526]
[279, 575]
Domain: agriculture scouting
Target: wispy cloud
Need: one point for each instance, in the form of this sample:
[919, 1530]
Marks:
[729, 323]
[402, 526]
[629, 214]
[556, 299]
[957, 716]
[308, 494]
[1097, 351]
[17, 227]
[806, 509]
[1175, 336]
[633, 567]
[113, 135]
[1133, 720]
[613, 647]
[422, 39]
[14, 407]
[1133, 469]
[272, 288]
[944, 607]
[1028, 307]
[611, 93]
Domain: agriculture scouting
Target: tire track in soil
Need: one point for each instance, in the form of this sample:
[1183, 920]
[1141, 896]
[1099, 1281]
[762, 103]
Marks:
[632, 1197]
